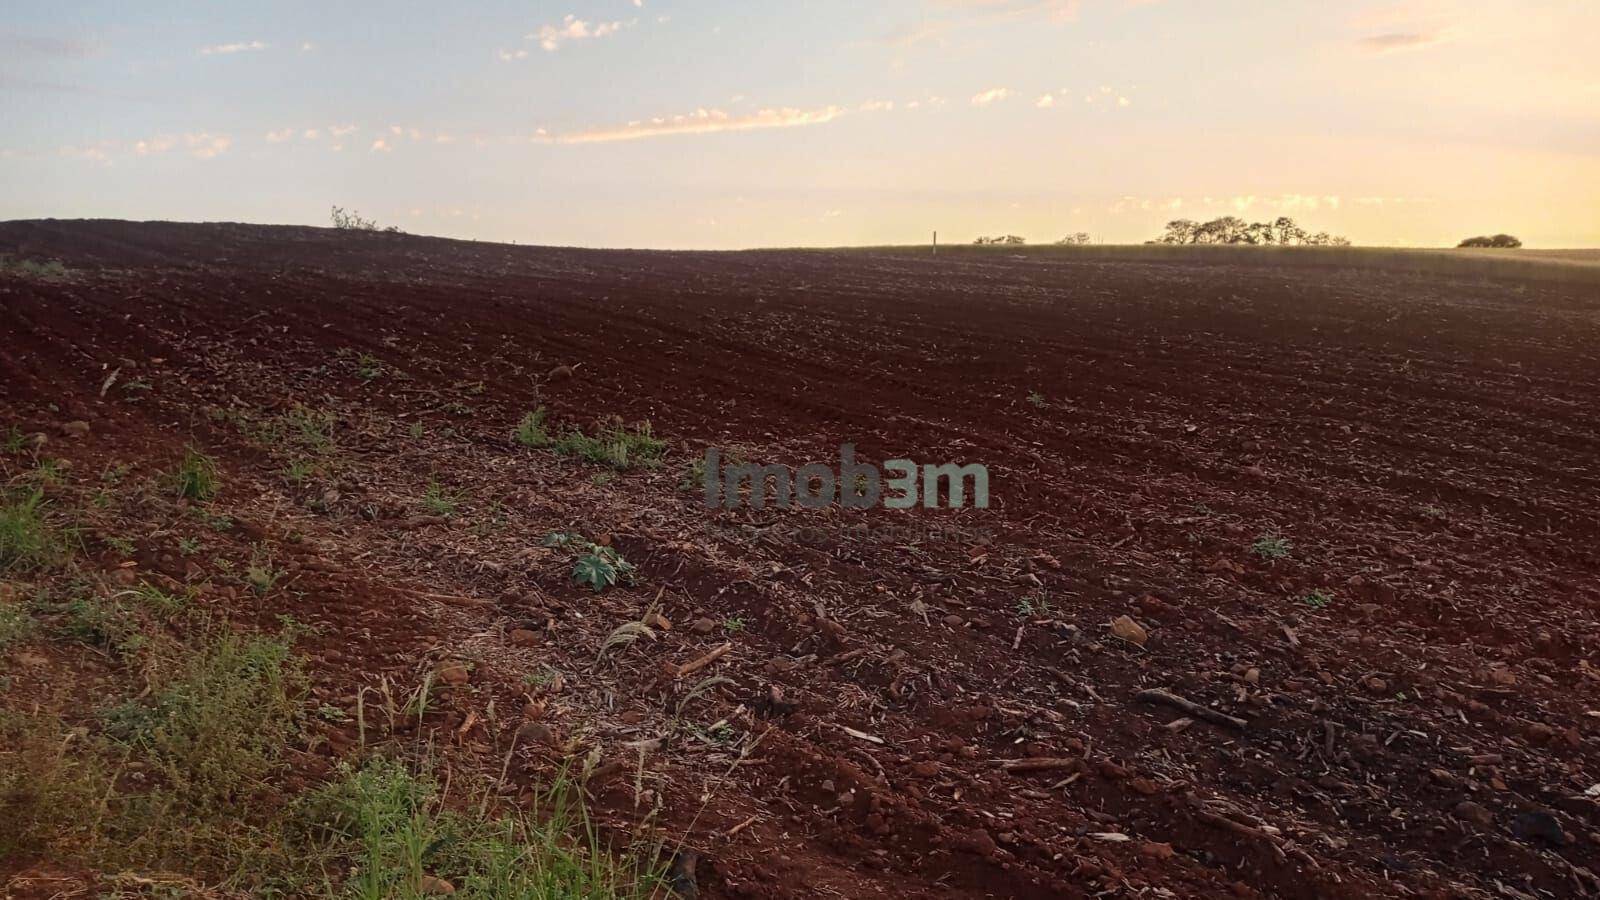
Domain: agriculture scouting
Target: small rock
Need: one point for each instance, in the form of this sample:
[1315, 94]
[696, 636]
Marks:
[1501, 676]
[1157, 608]
[1128, 630]
[537, 733]
[1375, 684]
[454, 674]
[433, 884]
[954, 621]
[77, 430]
[703, 625]
[522, 637]
[980, 842]
[1156, 850]
[925, 769]
[1475, 813]
[1540, 732]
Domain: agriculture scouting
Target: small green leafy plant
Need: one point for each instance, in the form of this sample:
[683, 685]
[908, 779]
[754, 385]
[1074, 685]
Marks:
[1271, 547]
[601, 567]
[439, 501]
[1318, 599]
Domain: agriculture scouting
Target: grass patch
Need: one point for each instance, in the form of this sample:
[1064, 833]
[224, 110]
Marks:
[616, 446]
[196, 477]
[530, 432]
[174, 782]
[217, 725]
[439, 501]
[51, 270]
[179, 792]
[15, 624]
[397, 841]
[28, 542]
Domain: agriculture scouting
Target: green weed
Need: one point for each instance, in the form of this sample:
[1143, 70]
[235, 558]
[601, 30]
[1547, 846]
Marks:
[1271, 547]
[28, 541]
[530, 432]
[196, 476]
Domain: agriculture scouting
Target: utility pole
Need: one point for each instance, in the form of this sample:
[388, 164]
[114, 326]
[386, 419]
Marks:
[936, 243]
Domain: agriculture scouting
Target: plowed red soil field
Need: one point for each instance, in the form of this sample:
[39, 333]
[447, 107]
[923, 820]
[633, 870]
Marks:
[1351, 513]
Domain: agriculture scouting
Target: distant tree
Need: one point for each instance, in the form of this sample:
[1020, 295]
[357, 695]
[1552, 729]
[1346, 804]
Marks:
[1282, 232]
[1285, 232]
[1076, 238]
[1498, 242]
[1324, 239]
[1179, 231]
[1001, 239]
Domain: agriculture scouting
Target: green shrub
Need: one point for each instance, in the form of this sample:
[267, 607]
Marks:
[217, 726]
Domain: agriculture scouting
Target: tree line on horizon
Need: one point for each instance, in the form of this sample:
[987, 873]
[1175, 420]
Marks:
[1281, 232]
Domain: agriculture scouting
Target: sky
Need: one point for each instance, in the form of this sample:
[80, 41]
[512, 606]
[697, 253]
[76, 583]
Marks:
[721, 124]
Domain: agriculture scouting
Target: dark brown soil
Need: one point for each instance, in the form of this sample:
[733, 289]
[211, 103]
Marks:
[1428, 448]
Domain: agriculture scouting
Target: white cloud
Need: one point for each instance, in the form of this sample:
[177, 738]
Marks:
[876, 106]
[236, 47]
[572, 28]
[207, 146]
[100, 153]
[1046, 101]
[279, 136]
[701, 121]
[152, 145]
[380, 146]
[992, 95]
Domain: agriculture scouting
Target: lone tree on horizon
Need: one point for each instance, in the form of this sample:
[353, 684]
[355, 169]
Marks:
[1498, 242]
